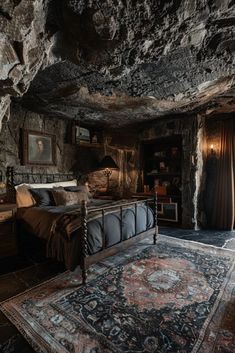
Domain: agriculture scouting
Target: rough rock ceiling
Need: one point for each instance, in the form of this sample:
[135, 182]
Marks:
[117, 61]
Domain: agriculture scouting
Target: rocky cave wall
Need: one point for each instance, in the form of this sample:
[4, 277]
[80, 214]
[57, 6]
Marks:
[106, 60]
[24, 47]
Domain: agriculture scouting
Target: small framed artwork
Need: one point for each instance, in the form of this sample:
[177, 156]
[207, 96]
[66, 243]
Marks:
[39, 148]
[169, 212]
[82, 135]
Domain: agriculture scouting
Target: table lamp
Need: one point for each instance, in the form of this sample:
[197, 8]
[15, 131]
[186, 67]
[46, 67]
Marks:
[107, 164]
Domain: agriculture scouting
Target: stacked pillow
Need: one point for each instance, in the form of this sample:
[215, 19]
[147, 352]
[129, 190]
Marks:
[51, 194]
[23, 197]
[67, 198]
[43, 196]
[83, 188]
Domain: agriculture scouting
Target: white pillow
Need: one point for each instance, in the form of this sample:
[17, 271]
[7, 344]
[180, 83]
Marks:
[49, 185]
[23, 197]
[36, 186]
[66, 183]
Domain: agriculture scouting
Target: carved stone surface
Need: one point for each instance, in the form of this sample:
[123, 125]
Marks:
[117, 62]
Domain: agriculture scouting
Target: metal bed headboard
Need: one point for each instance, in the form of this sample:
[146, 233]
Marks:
[14, 177]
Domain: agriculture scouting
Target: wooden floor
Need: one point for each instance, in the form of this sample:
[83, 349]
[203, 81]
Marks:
[20, 273]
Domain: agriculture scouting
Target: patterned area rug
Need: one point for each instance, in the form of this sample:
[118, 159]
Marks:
[174, 297]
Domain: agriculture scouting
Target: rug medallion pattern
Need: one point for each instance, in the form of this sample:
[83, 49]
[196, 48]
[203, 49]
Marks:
[163, 298]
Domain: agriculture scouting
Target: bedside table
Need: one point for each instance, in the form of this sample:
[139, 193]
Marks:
[8, 244]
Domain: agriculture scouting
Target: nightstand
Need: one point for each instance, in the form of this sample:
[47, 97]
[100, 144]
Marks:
[8, 244]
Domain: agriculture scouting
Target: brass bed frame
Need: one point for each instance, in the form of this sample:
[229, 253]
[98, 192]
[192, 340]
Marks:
[13, 178]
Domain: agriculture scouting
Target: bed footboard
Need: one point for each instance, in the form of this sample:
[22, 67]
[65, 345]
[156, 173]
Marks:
[123, 244]
[84, 213]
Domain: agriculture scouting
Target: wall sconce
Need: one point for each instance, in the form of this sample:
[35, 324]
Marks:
[213, 150]
[108, 165]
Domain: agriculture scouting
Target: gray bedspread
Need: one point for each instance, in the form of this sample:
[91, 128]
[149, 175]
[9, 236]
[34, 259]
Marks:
[40, 221]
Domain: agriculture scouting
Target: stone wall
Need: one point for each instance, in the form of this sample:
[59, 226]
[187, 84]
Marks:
[70, 157]
[137, 60]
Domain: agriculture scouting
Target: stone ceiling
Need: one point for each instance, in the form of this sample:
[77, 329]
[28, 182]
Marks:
[117, 62]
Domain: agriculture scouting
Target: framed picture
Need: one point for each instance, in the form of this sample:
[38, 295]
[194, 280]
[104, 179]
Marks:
[168, 212]
[39, 148]
[162, 166]
[82, 135]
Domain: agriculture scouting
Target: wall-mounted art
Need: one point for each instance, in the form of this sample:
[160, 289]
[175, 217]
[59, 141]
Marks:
[168, 211]
[39, 148]
[82, 135]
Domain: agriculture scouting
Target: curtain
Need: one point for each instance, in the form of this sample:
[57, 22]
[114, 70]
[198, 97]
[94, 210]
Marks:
[223, 208]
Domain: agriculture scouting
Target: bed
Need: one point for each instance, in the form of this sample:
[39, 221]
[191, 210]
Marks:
[84, 233]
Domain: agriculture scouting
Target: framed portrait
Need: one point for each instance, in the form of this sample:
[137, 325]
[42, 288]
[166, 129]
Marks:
[39, 148]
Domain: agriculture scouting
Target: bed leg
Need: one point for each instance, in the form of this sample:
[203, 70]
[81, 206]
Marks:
[155, 234]
[155, 238]
[84, 213]
[84, 276]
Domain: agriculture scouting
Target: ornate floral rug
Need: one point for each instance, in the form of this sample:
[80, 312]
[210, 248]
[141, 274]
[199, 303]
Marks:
[173, 297]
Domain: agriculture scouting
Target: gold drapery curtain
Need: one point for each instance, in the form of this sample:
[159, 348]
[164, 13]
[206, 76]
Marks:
[223, 209]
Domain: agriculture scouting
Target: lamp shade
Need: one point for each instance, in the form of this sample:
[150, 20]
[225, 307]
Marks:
[107, 162]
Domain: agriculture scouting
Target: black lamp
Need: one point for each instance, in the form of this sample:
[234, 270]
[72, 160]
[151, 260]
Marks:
[108, 165]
